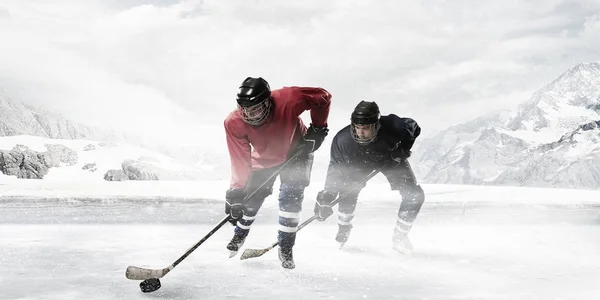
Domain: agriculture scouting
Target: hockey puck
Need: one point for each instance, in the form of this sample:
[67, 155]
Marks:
[150, 285]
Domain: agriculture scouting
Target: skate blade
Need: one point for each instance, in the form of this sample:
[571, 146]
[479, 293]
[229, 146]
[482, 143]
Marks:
[341, 245]
[232, 253]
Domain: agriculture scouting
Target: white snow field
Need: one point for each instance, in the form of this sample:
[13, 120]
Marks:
[61, 241]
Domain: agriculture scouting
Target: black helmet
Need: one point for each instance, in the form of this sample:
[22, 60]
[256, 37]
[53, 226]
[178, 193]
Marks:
[365, 113]
[254, 100]
[253, 91]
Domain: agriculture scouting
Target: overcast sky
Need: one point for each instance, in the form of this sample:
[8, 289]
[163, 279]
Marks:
[176, 65]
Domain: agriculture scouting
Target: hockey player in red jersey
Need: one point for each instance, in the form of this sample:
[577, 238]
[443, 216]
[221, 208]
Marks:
[261, 133]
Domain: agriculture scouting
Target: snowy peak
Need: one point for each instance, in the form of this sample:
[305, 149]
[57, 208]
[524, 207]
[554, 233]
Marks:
[17, 118]
[578, 86]
[551, 140]
[478, 161]
[571, 99]
[491, 120]
[580, 77]
[21, 124]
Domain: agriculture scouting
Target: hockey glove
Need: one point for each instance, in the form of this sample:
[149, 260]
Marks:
[314, 137]
[323, 207]
[233, 204]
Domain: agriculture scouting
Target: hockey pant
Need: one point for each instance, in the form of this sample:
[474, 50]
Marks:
[294, 179]
[401, 178]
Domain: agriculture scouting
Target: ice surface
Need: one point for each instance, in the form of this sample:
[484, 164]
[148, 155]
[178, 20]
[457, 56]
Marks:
[471, 243]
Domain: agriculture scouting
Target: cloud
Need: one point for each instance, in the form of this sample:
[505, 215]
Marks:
[174, 66]
[4, 13]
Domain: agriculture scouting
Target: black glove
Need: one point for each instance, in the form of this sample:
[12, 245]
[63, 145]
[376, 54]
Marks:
[313, 138]
[323, 207]
[400, 154]
[233, 204]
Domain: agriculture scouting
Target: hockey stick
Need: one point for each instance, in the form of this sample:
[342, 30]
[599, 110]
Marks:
[137, 273]
[251, 253]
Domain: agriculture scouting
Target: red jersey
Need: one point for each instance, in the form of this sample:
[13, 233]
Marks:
[267, 145]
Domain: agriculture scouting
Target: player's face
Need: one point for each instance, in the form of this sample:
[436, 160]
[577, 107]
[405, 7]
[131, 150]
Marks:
[364, 131]
[255, 114]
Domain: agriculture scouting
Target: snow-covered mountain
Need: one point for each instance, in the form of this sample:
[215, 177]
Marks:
[17, 118]
[39, 144]
[551, 140]
[28, 156]
[571, 100]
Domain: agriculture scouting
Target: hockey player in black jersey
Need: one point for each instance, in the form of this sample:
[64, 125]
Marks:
[369, 143]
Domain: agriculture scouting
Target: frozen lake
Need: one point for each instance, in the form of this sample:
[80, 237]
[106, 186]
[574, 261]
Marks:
[79, 248]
